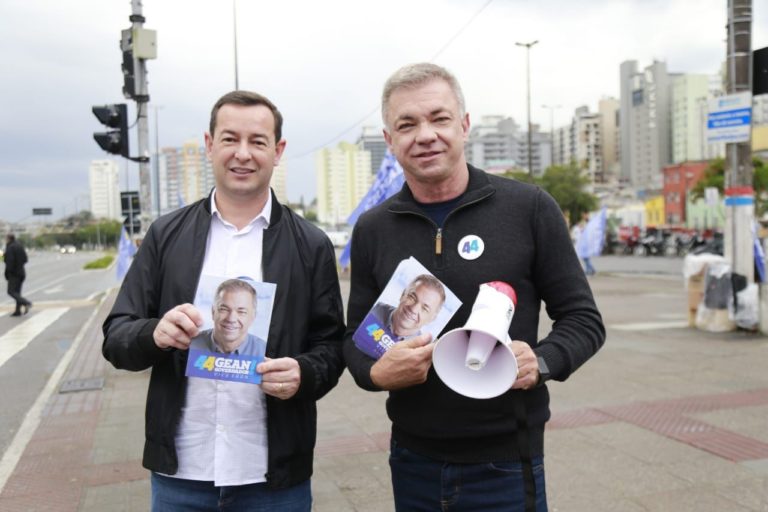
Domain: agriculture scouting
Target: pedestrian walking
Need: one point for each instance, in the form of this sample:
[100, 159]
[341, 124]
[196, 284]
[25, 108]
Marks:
[15, 259]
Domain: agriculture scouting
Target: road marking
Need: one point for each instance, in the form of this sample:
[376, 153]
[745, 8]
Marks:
[648, 326]
[32, 419]
[55, 289]
[19, 337]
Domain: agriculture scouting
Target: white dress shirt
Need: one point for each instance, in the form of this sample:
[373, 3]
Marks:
[222, 435]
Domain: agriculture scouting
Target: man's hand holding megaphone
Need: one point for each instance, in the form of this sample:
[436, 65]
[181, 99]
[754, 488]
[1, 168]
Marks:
[527, 366]
[405, 364]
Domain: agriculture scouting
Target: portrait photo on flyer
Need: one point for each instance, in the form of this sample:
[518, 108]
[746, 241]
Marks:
[233, 339]
[412, 303]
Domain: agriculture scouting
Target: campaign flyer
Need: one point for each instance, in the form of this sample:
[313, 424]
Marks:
[233, 339]
[412, 303]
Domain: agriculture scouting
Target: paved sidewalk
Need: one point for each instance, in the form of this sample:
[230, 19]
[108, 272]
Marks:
[665, 418]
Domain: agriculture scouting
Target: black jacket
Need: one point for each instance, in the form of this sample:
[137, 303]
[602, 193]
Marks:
[526, 244]
[15, 258]
[307, 324]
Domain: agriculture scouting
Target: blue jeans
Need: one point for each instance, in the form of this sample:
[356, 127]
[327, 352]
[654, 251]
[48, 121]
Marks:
[588, 268]
[423, 484]
[178, 495]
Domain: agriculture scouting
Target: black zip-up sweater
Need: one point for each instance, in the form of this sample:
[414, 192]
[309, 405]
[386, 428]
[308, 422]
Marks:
[527, 245]
[307, 324]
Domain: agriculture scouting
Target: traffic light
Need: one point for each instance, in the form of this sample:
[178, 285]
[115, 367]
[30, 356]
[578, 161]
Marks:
[129, 64]
[113, 141]
[132, 223]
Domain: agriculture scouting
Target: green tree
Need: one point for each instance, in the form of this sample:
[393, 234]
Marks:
[714, 176]
[521, 176]
[567, 186]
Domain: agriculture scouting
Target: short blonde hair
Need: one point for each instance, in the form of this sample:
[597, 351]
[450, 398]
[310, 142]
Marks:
[417, 74]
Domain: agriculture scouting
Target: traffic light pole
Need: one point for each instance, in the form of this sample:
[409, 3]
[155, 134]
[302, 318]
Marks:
[142, 120]
[739, 200]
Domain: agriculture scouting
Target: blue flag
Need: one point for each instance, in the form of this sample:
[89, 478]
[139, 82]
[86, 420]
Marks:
[592, 238]
[125, 252]
[182, 204]
[389, 181]
[759, 254]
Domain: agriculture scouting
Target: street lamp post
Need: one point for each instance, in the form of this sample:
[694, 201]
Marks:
[156, 177]
[551, 131]
[527, 47]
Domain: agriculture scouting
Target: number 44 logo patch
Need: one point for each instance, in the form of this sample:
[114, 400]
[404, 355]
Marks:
[471, 247]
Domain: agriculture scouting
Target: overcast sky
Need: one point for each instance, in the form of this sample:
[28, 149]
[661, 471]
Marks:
[322, 62]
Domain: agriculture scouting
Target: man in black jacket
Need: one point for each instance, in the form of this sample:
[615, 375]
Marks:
[449, 451]
[209, 442]
[15, 258]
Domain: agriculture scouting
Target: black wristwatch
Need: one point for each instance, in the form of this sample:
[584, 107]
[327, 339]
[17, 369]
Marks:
[543, 371]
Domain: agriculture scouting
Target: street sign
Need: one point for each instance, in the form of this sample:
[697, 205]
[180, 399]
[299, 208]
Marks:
[729, 118]
[42, 211]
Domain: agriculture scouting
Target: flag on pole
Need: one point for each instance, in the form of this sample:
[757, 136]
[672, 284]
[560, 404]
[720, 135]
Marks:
[592, 238]
[759, 253]
[389, 180]
[125, 252]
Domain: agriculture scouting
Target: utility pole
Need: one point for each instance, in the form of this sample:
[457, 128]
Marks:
[156, 173]
[234, 23]
[140, 45]
[527, 47]
[739, 193]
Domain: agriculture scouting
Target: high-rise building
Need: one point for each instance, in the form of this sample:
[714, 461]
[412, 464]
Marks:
[690, 93]
[343, 178]
[645, 124]
[541, 151]
[587, 144]
[608, 108]
[278, 182]
[103, 178]
[186, 175]
[581, 144]
[372, 140]
[496, 144]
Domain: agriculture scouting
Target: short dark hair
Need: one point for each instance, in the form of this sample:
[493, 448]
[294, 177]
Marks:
[10, 237]
[247, 99]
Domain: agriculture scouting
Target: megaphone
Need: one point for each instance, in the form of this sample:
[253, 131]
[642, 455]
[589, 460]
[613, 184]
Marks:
[477, 360]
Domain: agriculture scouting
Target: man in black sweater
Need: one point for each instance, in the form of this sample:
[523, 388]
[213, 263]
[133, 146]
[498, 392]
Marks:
[448, 451]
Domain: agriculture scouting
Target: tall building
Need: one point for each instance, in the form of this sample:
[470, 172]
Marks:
[372, 140]
[645, 124]
[103, 178]
[278, 182]
[496, 144]
[582, 142]
[689, 94]
[186, 175]
[343, 178]
[541, 151]
[608, 108]
[564, 145]
[588, 144]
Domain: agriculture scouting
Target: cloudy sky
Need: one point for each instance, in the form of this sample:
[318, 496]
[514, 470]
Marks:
[323, 63]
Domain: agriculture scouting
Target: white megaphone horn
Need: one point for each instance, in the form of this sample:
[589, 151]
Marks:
[477, 360]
